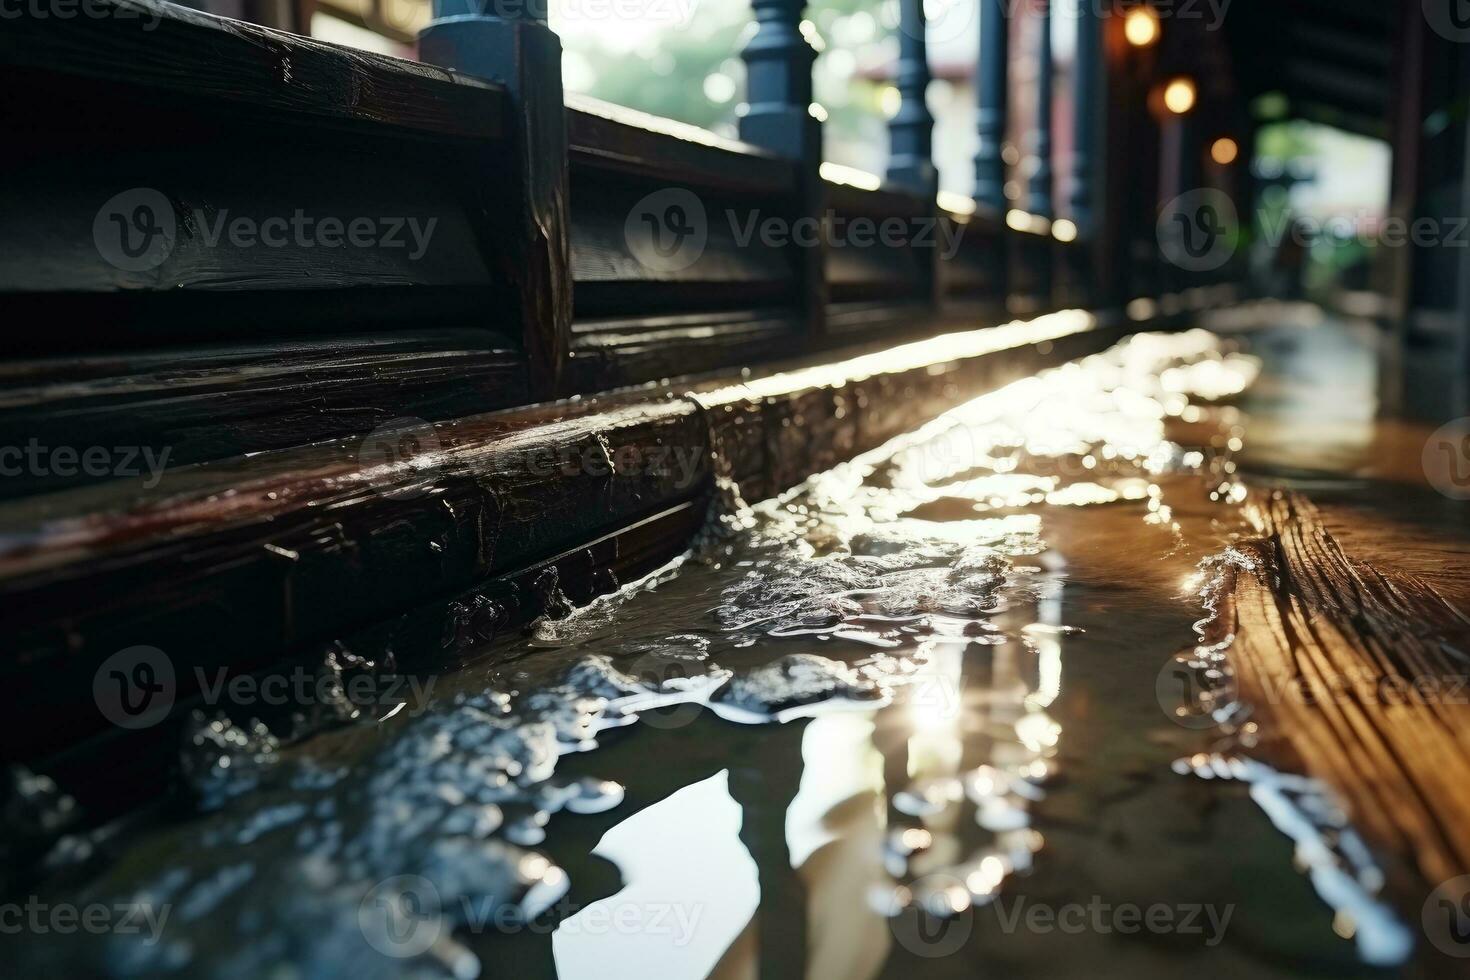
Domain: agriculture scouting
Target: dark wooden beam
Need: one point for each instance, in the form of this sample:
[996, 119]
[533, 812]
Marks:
[520, 52]
[993, 93]
[778, 116]
[1087, 89]
[164, 47]
[911, 131]
[1039, 182]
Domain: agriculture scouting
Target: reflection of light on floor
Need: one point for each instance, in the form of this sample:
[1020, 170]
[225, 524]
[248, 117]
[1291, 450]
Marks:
[691, 890]
[834, 830]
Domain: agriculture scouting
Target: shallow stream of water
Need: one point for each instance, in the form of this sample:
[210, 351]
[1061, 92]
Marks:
[921, 714]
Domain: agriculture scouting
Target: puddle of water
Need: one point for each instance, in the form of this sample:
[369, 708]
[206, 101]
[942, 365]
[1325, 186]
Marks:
[913, 690]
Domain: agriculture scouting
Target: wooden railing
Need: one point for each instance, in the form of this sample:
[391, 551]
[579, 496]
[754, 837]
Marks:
[575, 247]
[232, 246]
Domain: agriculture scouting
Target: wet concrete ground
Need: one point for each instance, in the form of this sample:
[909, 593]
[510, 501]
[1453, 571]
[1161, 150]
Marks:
[916, 718]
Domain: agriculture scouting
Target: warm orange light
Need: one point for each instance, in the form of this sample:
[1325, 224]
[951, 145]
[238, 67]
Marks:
[1179, 96]
[1225, 151]
[1141, 26]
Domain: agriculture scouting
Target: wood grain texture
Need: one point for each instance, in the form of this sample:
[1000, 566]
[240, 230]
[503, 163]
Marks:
[161, 46]
[207, 403]
[534, 228]
[1360, 672]
[234, 563]
[614, 139]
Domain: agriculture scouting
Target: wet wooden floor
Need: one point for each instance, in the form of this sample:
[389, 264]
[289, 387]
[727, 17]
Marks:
[1040, 750]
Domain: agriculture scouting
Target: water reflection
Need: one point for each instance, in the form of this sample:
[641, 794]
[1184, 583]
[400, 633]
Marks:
[839, 715]
[676, 918]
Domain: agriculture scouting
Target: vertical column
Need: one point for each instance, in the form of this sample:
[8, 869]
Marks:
[911, 132]
[1087, 73]
[779, 64]
[777, 116]
[993, 92]
[1039, 185]
[1077, 260]
[516, 48]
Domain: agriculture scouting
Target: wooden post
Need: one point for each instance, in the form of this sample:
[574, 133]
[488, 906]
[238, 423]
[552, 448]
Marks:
[517, 49]
[992, 89]
[1396, 265]
[911, 132]
[1086, 75]
[1038, 254]
[1040, 183]
[993, 93]
[1079, 258]
[778, 117]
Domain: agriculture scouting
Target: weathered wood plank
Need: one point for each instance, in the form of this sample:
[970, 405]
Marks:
[612, 138]
[193, 404]
[229, 564]
[1360, 673]
[157, 45]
